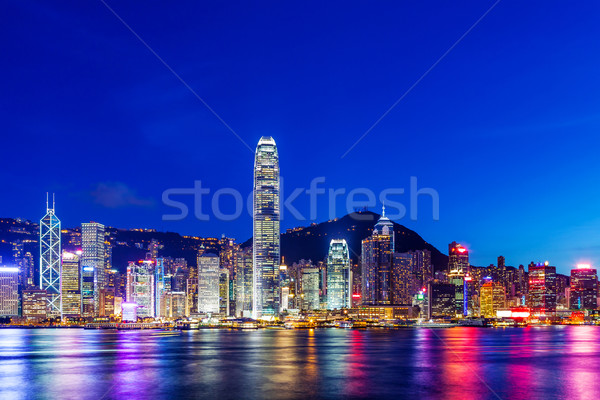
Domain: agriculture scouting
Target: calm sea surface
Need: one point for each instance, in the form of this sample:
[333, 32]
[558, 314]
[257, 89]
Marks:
[559, 362]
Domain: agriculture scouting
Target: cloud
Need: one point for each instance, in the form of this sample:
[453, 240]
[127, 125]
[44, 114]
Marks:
[117, 195]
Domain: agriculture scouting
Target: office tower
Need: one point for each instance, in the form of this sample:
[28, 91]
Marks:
[50, 266]
[542, 289]
[584, 288]
[34, 304]
[461, 293]
[9, 291]
[266, 230]
[224, 291]
[93, 258]
[402, 279]
[441, 300]
[458, 258]
[244, 282]
[339, 276]
[140, 287]
[491, 299]
[208, 284]
[310, 289]
[106, 302]
[422, 268]
[71, 284]
[159, 283]
[28, 270]
[173, 305]
[376, 259]
[87, 291]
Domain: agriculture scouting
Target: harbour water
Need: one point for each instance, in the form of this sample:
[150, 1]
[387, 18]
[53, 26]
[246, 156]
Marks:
[555, 362]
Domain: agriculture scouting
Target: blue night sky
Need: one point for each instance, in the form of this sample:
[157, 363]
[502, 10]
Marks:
[505, 127]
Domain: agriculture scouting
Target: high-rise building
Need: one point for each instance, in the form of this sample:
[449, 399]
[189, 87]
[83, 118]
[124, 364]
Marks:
[173, 305]
[9, 291]
[140, 287]
[376, 260]
[402, 278]
[208, 284]
[266, 238]
[243, 282]
[71, 284]
[159, 283]
[94, 256]
[311, 299]
[339, 275]
[542, 289]
[34, 304]
[224, 291]
[422, 269]
[441, 300]
[458, 258]
[491, 299]
[584, 288]
[50, 265]
[87, 291]
[461, 293]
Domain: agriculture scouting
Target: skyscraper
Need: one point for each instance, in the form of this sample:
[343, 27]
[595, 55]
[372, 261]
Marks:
[339, 276]
[243, 282]
[71, 284]
[458, 258]
[93, 257]
[9, 291]
[208, 284]
[542, 289]
[376, 260]
[140, 287]
[266, 229]
[584, 288]
[50, 263]
[310, 289]
[492, 298]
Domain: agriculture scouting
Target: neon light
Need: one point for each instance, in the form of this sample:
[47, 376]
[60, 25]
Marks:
[88, 269]
[9, 269]
[584, 266]
[356, 296]
[461, 249]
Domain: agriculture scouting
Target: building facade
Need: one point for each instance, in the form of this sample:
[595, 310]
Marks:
[71, 285]
[50, 259]
[208, 284]
[266, 246]
[339, 275]
[584, 288]
[93, 259]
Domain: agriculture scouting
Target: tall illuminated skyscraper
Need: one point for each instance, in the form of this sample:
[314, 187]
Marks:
[93, 256]
[542, 289]
[50, 259]
[266, 230]
[71, 284]
[376, 263]
[584, 288]
[339, 276]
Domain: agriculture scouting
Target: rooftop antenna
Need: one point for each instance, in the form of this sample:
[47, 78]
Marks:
[383, 210]
[46, 201]
[53, 201]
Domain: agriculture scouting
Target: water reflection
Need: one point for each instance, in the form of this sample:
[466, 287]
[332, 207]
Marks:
[466, 363]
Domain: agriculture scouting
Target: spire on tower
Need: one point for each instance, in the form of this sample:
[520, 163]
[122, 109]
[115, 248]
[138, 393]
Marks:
[383, 211]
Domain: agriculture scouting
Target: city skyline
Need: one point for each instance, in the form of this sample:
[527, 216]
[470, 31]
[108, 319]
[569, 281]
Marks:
[495, 111]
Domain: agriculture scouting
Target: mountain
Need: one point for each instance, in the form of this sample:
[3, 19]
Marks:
[312, 242]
